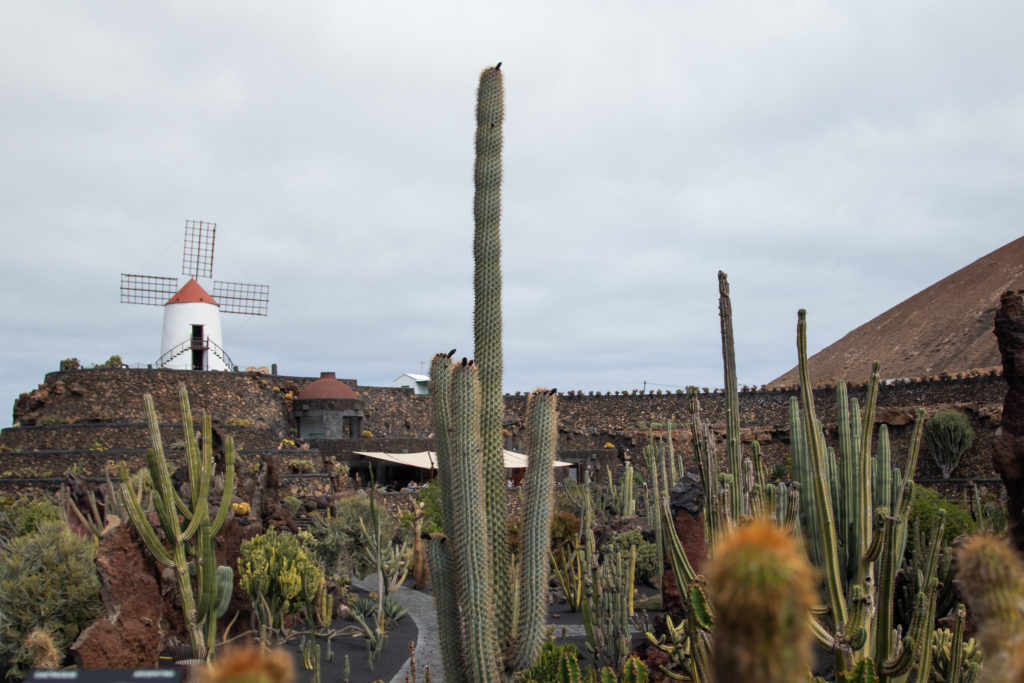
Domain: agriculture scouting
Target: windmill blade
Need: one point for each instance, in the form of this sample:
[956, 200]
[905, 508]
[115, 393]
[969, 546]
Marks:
[148, 290]
[197, 260]
[241, 297]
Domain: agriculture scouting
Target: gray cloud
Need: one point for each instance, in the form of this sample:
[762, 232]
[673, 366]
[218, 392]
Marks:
[829, 156]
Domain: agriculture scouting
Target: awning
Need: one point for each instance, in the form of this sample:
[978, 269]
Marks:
[427, 460]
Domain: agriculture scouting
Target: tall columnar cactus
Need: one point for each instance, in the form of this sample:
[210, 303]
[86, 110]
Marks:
[732, 410]
[485, 631]
[191, 541]
[763, 589]
[991, 577]
[860, 622]
[490, 115]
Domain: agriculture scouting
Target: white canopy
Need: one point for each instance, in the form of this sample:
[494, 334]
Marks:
[427, 460]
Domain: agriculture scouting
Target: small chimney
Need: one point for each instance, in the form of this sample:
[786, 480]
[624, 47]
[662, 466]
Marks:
[327, 375]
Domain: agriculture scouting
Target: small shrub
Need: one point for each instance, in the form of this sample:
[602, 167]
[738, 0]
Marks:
[366, 434]
[47, 581]
[28, 515]
[565, 526]
[238, 422]
[300, 465]
[112, 362]
[646, 553]
[430, 496]
[948, 435]
[545, 667]
[70, 364]
[926, 504]
[293, 503]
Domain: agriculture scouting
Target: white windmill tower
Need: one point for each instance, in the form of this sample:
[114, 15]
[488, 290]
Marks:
[191, 337]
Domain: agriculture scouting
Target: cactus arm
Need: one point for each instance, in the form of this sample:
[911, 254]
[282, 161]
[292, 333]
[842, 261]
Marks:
[471, 545]
[823, 502]
[229, 486]
[681, 566]
[865, 501]
[847, 511]
[138, 518]
[538, 498]
[673, 470]
[440, 408]
[446, 605]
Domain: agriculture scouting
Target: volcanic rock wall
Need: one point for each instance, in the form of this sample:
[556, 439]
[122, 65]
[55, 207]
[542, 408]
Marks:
[102, 409]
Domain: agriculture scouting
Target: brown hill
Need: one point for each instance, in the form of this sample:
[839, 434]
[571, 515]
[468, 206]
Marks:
[944, 328]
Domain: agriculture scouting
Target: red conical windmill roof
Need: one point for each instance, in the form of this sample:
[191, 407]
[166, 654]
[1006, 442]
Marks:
[328, 386]
[192, 293]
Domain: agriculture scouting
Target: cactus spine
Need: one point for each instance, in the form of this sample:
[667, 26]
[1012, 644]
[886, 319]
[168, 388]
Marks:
[487, 630]
[213, 583]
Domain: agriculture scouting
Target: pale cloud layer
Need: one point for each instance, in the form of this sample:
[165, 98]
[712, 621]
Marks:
[827, 155]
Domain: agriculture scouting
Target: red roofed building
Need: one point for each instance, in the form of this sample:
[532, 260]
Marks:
[328, 408]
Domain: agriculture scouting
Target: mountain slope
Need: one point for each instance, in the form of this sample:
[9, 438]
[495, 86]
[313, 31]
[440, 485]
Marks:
[946, 327]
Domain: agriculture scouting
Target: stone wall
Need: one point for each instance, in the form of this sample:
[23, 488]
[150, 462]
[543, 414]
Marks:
[106, 409]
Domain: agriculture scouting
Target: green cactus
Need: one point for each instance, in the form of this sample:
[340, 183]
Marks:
[535, 539]
[487, 324]
[195, 539]
[948, 435]
[279, 577]
[622, 493]
[489, 630]
[732, 411]
[850, 542]
[607, 603]
[447, 607]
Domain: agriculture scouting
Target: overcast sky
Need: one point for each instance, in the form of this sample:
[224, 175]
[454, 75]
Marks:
[835, 156]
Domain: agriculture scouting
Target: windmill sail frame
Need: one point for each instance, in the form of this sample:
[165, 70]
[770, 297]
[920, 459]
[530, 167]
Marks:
[243, 298]
[147, 290]
[197, 257]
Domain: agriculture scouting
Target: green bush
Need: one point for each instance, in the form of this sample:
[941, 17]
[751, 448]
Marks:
[27, 515]
[948, 435]
[646, 553]
[112, 362]
[565, 527]
[926, 504]
[430, 496]
[334, 541]
[47, 581]
[274, 567]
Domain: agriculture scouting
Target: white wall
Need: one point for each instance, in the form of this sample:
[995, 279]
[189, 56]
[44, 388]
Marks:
[178, 322]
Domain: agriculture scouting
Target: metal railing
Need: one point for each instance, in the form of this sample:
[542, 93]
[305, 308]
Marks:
[194, 343]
